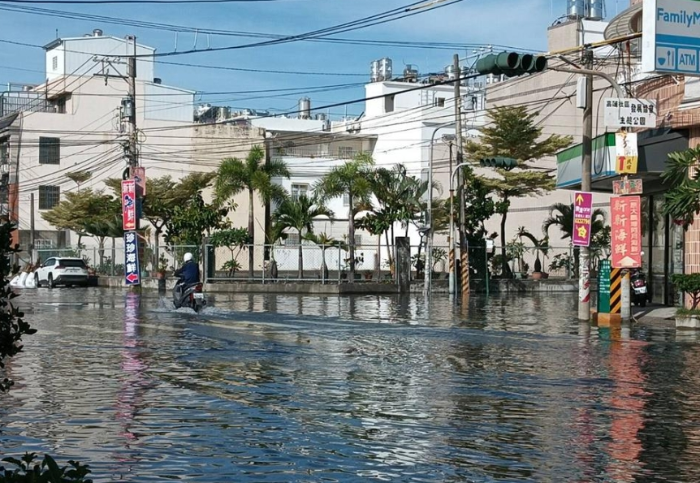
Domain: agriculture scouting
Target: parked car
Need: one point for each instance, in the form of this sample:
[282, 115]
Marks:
[62, 271]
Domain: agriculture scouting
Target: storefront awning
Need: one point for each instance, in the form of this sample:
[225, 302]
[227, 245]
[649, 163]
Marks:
[654, 146]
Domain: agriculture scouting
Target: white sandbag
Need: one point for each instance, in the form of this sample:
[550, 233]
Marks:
[15, 281]
[30, 282]
[22, 279]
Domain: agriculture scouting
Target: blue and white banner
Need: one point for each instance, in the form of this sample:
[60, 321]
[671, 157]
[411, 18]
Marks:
[132, 273]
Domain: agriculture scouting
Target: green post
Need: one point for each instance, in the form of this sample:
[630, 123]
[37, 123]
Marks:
[604, 287]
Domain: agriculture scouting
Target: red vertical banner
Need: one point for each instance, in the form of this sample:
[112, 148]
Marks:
[626, 231]
[129, 204]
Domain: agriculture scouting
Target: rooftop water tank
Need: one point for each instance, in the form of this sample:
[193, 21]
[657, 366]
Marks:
[385, 69]
[451, 72]
[410, 73]
[304, 108]
[97, 33]
[374, 71]
[577, 8]
[595, 9]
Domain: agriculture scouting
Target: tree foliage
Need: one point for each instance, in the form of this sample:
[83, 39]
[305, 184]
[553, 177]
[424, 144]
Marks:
[252, 175]
[682, 198]
[299, 214]
[513, 133]
[194, 220]
[352, 179]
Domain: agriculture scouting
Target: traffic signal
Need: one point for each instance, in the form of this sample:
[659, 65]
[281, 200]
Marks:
[503, 163]
[511, 64]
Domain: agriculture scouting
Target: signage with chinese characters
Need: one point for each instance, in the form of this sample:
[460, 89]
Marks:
[604, 287]
[622, 113]
[671, 36]
[138, 174]
[129, 204]
[626, 154]
[626, 231]
[583, 210]
[132, 273]
[627, 186]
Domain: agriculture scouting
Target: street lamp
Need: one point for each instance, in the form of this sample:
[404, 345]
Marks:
[429, 218]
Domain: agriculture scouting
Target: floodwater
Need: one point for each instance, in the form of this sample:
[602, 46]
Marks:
[286, 388]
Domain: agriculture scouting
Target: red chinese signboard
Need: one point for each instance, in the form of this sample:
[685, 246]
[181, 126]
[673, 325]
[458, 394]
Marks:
[626, 231]
[129, 204]
[583, 210]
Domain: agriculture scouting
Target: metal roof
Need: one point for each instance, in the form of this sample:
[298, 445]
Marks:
[626, 23]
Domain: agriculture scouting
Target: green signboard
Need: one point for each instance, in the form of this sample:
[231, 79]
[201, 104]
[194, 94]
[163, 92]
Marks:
[604, 287]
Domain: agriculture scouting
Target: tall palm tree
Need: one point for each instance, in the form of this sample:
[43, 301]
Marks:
[351, 179]
[564, 220]
[300, 214]
[252, 174]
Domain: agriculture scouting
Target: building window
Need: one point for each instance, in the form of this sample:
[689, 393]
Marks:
[298, 190]
[42, 244]
[49, 196]
[49, 150]
[389, 104]
[358, 240]
[439, 102]
[346, 152]
[346, 199]
[54, 62]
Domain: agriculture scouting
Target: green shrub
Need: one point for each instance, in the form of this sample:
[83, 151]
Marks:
[690, 284]
[47, 471]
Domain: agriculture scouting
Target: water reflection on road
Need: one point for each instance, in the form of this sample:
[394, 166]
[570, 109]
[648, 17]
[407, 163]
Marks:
[306, 388]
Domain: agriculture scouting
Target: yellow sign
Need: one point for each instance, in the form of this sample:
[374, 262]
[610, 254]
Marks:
[626, 153]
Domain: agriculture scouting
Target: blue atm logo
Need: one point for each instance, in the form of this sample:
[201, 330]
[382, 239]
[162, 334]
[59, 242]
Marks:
[687, 61]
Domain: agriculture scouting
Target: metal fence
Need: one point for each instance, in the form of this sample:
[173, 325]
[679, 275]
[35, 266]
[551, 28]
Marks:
[305, 263]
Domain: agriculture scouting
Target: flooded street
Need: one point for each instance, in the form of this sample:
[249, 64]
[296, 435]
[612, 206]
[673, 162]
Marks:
[282, 388]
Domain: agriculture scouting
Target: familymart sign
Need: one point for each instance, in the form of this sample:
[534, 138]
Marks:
[570, 162]
[671, 36]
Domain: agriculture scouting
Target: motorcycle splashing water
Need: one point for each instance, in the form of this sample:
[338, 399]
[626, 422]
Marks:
[190, 295]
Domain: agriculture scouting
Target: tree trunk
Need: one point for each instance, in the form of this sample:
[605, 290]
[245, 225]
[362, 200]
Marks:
[101, 249]
[301, 258]
[156, 249]
[505, 269]
[389, 248]
[351, 241]
[251, 232]
[324, 266]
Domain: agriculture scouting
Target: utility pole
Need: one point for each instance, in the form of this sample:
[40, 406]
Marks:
[584, 283]
[32, 233]
[464, 255]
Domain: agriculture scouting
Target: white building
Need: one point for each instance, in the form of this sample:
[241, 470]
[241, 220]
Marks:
[73, 122]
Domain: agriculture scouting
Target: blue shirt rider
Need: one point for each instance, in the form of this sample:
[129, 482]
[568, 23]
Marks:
[189, 271]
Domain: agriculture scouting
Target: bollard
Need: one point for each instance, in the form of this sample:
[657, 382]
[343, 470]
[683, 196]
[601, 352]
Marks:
[465, 277]
[626, 309]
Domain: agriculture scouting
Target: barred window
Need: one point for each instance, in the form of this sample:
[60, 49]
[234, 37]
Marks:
[292, 240]
[49, 196]
[49, 150]
[298, 190]
[346, 152]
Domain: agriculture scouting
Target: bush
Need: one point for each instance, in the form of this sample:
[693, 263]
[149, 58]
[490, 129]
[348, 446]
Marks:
[690, 284]
[47, 472]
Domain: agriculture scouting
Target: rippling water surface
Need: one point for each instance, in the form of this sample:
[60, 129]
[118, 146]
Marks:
[282, 388]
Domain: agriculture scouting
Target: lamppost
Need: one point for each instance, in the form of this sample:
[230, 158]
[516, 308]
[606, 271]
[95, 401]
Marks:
[429, 216]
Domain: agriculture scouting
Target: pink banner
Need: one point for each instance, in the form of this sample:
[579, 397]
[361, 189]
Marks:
[626, 231]
[129, 204]
[583, 210]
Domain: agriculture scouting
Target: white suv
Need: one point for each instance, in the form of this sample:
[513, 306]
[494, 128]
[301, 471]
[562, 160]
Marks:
[62, 271]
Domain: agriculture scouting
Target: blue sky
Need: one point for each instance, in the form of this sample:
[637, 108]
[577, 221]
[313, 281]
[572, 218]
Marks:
[517, 23]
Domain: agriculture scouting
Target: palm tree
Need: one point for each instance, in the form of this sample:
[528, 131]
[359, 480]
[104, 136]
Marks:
[300, 214]
[325, 242]
[351, 179]
[235, 175]
[564, 220]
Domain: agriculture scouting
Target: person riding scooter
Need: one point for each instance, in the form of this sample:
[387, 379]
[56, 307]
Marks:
[188, 273]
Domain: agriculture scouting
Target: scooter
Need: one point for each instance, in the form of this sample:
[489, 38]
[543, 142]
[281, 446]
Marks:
[189, 296]
[638, 282]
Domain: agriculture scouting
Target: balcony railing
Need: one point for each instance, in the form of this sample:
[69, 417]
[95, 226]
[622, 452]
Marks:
[11, 102]
[315, 152]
